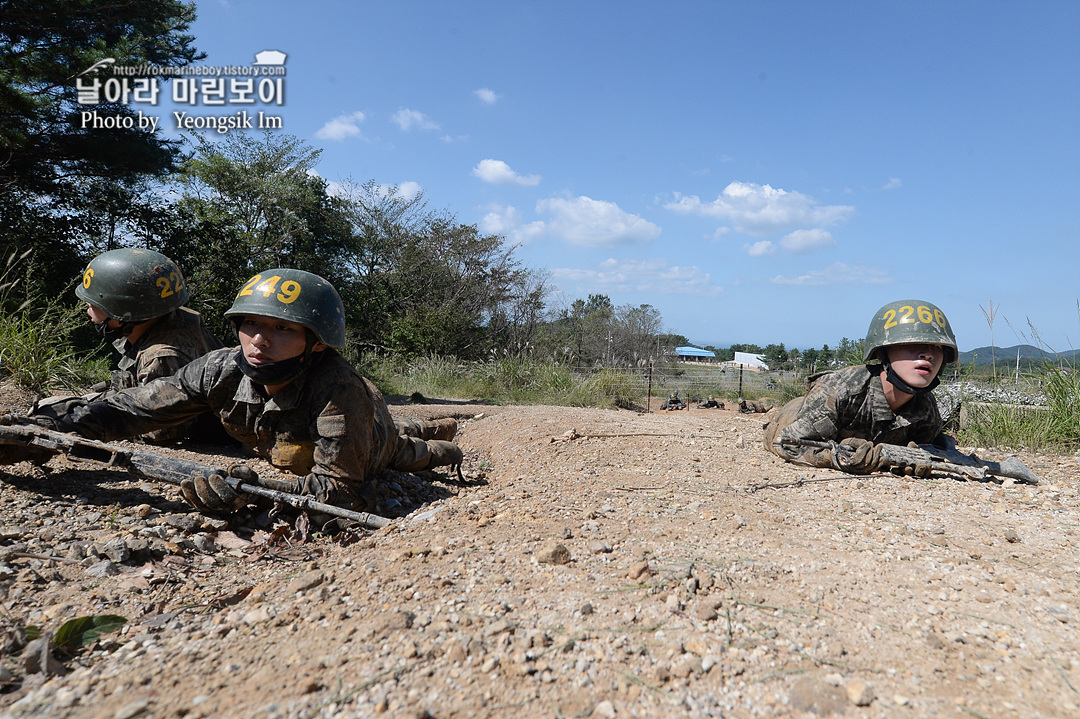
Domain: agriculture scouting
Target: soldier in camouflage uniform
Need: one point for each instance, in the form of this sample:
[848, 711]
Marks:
[886, 400]
[674, 402]
[135, 299]
[286, 395]
[711, 403]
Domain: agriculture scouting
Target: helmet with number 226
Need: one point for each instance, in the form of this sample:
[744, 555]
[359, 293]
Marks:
[133, 285]
[294, 296]
[910, 322]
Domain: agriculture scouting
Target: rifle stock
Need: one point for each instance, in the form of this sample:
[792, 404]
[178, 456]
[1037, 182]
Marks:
[151, 465]
[951, 461]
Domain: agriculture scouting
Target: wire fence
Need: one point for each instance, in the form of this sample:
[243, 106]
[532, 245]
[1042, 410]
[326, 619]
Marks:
[696, 383]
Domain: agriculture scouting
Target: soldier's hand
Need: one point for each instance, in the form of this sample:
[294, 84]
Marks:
[212, 494]
[913, 469]
[865, 458]
[57, 415]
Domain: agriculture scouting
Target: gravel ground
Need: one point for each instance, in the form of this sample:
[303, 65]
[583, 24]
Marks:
[593, 563]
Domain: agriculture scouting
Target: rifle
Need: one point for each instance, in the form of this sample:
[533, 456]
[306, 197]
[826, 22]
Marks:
[950, 461]
[151, 465]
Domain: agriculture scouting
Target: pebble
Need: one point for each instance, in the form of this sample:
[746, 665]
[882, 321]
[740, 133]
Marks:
[640, 570]
[104, 568]
[604, 710]
[553, 554]
[1011, 536]
[860, 692]
[133, 709]
[598, 547]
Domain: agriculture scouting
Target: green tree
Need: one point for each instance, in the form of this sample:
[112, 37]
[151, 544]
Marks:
[776, 356]
[69, 189]
[249, 204]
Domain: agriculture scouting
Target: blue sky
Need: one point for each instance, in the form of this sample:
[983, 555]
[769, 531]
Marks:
[757, 171]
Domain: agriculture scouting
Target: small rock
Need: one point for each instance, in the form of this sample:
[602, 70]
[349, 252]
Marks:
[144, 511]
[812, 695]
[117, 550]
[306, 581]
[598, 547]
[639, 570]
[604, 710]
[586, 609]
[184, 522]
[133, 709]
[860, 692]
[104, 568]
[553, 554]
[1060, 613]
[38, 659]
[11, 531]
[705, 611]
[1011, 536]
[204, 543]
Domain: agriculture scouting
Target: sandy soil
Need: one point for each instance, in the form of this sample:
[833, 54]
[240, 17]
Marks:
[593, 564]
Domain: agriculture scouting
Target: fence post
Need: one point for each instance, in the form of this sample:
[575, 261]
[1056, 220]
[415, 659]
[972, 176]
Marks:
[648, 400]
[740, 384]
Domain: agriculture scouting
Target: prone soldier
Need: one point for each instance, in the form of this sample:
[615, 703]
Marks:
[886, 400]
[285, 393]
[711, 403]
[135, 299]
[673, 402]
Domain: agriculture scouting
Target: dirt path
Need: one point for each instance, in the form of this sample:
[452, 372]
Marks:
[598, 563]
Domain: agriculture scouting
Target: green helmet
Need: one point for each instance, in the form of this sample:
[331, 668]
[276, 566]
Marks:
[910, 322]
[294, 296]
[133, 285]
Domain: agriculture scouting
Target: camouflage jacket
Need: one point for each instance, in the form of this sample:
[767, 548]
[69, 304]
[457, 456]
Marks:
[330, 421]
[850, 403]
[174, 340]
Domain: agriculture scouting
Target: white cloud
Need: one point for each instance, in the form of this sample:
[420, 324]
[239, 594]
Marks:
[580, 221]
[652, 275]
[893, 183]
[341, 127]
[760, 210]
[759, 249]
[408, 119]
[838, 274]
[498, 172]
[594, 223]
[806, 240]
[488, 97]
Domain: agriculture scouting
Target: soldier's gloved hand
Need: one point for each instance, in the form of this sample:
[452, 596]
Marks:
[212, 494]
[356, 496]
[58, 416]
[914, 469]
[865, 458]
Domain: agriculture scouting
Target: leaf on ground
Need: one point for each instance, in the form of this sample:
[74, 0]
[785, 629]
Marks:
[81, 631]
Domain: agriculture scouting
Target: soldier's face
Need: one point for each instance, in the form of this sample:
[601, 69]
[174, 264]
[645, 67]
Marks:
[916, 364]
[97, 316]
[265, 339]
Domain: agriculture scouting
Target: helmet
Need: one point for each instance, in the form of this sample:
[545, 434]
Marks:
[711, 397]
[133, 285]
[294, 296]
[910, 322]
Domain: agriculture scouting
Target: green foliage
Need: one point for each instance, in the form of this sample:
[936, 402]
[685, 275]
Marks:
[68, 190]
[83, 631]
[35, 339]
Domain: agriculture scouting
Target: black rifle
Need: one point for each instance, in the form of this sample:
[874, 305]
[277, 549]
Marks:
[951, 461]
[173, 470]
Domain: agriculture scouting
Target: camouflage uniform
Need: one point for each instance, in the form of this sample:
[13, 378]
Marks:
[330, 425]
[171, 342]
[174, 340]
[850, 403]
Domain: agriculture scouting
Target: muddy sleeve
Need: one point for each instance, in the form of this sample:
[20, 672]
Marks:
[816, 417]
[159, 404]
[352, 437]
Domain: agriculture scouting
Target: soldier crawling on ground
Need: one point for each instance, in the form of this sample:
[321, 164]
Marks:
[135, 298]
[711, 403]
[673, 402]
[886, 400]
[285, 393]
[751, 406]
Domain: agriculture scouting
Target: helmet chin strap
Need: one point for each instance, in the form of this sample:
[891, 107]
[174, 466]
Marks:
[895, 381]
[113, 333]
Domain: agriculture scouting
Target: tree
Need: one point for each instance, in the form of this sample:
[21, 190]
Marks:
[249, 204]
[68, 188]
[776, 356]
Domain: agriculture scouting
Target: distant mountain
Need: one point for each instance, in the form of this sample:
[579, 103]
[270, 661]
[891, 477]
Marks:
[985, 355]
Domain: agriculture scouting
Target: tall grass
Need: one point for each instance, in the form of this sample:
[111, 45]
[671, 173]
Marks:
[35, 340]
